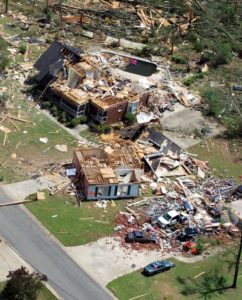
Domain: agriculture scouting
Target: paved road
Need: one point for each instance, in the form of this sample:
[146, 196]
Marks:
[46, 256]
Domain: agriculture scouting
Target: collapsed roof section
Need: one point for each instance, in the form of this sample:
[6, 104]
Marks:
[165, 161]
[167, 147]
[85, 84]
[52, 60]
[110, 165]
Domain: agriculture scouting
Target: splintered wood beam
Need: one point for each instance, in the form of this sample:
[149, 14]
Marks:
[5, 139]
[19, 119]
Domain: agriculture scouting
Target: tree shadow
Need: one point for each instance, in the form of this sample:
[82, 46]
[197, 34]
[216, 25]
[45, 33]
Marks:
[209, 285]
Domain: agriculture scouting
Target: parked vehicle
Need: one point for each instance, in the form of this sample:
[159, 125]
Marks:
[158, 267]
[238, 191]
[170, 218]
[188, 234]
[139, 236]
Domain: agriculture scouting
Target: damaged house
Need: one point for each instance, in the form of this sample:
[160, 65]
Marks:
[109, 173]
[83, 84]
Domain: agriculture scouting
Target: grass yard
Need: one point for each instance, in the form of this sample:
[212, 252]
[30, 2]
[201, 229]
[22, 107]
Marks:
[176, 283]
[222, 155]
[73, 225]
[90, 136]
[44, 293]
[24, 155]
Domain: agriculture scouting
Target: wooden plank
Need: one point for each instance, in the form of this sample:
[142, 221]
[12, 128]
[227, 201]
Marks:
[198, 275]
[16, 203]
[132, 212]
[19, 119]
[140, 296]
[14, 124]
[5, 139]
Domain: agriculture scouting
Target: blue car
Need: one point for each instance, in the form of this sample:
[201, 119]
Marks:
[158, 267]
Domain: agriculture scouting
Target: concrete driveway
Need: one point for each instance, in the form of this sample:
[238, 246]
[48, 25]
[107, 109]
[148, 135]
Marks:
[180, 125]
[106, 260]
[237, 207]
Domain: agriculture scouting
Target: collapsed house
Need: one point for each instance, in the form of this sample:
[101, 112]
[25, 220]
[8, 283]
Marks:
[84, 84]
[109, 173]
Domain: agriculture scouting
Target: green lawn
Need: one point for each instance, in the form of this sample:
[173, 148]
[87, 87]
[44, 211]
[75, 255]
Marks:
[222, 155]
[44, 293]
[90, 136]
[176, 283]
[74, 225]
[31, 154]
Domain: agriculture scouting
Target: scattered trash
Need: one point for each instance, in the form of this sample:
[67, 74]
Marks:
[14, 155]
[44, 140]
[61, 148]
[41, 196]
[102, 204]
[143, 117]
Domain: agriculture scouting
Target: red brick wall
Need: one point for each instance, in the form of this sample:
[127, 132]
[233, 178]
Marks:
[116, 112]
[144, 99]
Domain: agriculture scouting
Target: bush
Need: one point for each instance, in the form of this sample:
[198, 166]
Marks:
[191, 79]
[82, 119]
[63, 117]
[4, 62]
[105, 128]
[54, 110]
[213, 102]
[22, 48]
[74, 122]
[129, 118]
[45, 104]
[223, 54]
[178, 59]
[234, 126]
[77, 121]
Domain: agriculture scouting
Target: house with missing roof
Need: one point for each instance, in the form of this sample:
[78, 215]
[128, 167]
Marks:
[109, 173]
[84, 84]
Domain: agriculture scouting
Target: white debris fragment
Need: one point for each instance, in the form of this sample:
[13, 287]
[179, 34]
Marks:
[44, 140]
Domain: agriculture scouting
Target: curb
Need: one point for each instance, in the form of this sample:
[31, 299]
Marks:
[50, 235]
[30, 267]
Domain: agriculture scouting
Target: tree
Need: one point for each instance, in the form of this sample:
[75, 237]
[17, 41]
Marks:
[6, 6]
[22, 285]
[237, 263]
[61, 22]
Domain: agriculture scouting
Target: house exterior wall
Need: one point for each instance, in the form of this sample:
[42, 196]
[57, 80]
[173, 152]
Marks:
[116, 112]
[80, 174]
[73, 110]
[144, 99]
[92, 191]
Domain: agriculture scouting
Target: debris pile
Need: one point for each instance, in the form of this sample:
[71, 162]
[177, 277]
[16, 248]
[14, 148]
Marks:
[185, 204]
[107, 84]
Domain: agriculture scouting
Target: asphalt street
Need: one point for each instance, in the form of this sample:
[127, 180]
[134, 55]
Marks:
[45, 255]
